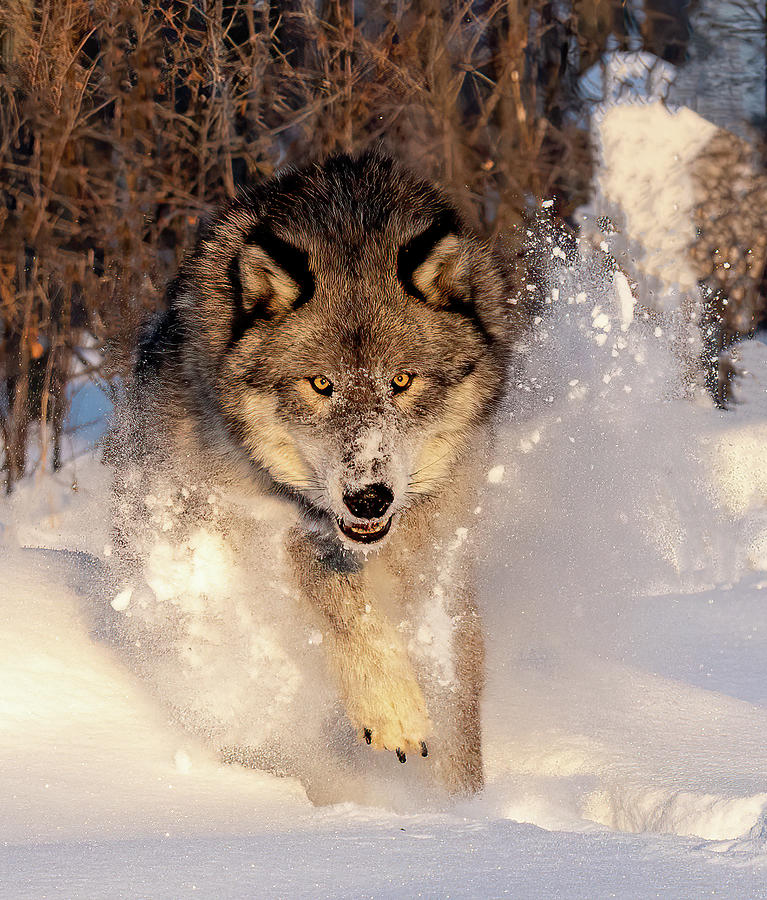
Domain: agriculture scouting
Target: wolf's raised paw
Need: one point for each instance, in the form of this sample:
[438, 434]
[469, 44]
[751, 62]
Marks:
[395, 720]
[383, 699]
[401, 755]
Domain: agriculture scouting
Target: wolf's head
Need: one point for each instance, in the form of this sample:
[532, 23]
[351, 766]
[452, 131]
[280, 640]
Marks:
[344, 329]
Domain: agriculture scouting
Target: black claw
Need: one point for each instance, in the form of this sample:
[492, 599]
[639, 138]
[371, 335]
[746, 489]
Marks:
[401, 756]
[424, 750]
[368, 735]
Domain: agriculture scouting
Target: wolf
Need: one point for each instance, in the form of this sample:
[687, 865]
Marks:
[319, 395]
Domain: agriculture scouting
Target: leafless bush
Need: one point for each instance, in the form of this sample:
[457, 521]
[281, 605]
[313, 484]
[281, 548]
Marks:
[123, 121]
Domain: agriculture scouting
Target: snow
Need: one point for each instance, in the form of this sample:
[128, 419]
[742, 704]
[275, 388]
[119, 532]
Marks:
[359, 854]
[622, 76]
[495, 475]
[623, 560]
[634, 669]
[644, 183]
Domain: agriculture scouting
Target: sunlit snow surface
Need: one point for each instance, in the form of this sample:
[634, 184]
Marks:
[624, 577]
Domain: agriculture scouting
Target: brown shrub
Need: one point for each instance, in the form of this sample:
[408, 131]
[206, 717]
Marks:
[123, 121]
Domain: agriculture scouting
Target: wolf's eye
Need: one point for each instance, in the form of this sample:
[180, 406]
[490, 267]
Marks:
[401, 382]
[322, 385]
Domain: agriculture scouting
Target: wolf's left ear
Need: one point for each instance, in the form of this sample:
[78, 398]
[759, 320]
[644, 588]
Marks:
[435, 267]
[443, 277]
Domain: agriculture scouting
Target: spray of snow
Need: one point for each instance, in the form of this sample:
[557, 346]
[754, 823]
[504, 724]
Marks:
[644, 182]
[635, 512]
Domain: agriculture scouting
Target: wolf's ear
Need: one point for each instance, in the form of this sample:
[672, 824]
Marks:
[274, 276]
[264, 283]
[434, 266]
[443, 277]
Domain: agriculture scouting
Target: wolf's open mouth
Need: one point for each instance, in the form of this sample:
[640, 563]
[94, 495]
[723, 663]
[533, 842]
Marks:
[368, 533]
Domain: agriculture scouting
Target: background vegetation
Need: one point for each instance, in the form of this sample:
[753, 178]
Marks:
[123, 121]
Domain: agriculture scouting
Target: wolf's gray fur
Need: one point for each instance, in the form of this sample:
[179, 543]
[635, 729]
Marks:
[337, 344]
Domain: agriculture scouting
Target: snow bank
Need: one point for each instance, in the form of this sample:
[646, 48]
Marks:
[644, 181]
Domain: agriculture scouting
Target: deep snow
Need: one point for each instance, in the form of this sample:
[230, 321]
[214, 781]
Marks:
[624, 574]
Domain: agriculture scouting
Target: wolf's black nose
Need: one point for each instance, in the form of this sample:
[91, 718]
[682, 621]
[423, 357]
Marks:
[371, 502]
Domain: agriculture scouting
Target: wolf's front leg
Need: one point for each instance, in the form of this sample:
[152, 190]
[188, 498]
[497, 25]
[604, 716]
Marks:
[383, 700]
[457, 710]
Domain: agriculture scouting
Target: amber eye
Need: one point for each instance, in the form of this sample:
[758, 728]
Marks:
[401, 382]
[322, 385]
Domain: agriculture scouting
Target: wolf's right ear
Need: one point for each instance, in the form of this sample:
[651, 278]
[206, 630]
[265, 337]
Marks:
[274, 277]
[265, 284]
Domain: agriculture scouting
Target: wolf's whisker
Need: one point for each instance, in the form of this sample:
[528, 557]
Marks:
[432, 463]
[429, 480]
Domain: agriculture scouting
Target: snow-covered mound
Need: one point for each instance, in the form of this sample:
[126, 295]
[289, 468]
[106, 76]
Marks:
[645, 184]
[624, 574]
